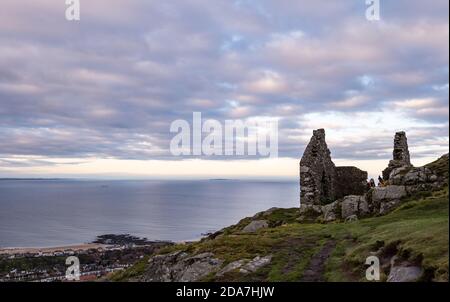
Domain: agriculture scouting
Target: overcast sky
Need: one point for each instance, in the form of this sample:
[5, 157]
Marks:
[97, 97]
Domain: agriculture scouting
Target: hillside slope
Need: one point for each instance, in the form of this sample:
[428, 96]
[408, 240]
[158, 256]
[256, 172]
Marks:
[412, 239]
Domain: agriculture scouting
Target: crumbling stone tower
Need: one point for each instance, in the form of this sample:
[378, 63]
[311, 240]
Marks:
[317, 171]
[321, 182]
[400, 154]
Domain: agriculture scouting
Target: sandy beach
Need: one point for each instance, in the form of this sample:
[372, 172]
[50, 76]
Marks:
[35, 250]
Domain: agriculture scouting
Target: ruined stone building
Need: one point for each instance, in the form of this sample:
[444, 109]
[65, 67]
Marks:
[321, 182]
[400, 155]
[329, 193]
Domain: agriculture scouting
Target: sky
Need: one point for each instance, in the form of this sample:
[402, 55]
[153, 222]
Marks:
[96, 97]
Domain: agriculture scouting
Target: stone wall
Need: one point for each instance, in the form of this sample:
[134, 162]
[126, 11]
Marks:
[317, 171]
[400, 155]
[352, 198]
[321, 182]
[351, 181]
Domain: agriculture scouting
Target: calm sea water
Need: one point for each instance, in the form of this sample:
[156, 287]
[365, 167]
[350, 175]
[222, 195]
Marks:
[62, 212]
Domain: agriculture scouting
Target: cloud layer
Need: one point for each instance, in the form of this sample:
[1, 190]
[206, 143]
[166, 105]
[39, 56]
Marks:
[110, 85]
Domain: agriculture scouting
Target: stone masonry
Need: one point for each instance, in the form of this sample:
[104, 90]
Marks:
[329, 193]
[400, 155]
[350, 181]
[321, 182]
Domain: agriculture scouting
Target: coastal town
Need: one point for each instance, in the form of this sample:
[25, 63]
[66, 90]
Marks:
[107, 254]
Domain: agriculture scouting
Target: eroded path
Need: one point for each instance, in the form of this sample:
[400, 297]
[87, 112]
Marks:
[316, 268]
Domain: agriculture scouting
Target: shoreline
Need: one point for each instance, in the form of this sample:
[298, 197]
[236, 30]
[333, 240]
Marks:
[74, 247]
[78, 247]
[36, 250]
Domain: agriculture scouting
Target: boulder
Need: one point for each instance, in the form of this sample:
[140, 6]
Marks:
[379, 194]
[179, 267]
[309, 212]
[351, 218]
[364, 208]
[404, 274]
[403, 271]
[255, 264]
[388, 206]
[331, 211]
[408, 176]
[255, 225]
[196, 267]
[232, 267]
[413, 177]
[159, 268]
[350, 205]
[417, 176]
[397, 175]
[246, 266]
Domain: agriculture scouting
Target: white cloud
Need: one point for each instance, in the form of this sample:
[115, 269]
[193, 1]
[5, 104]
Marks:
[266, 82]
[100, 87]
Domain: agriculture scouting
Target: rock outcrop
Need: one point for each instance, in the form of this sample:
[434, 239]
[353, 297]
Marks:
[180, 267]
[331, 211]
[321, 182]
[255, 264]
[403, 271]
[380, 194]
[233, 266]
[255, 225]
[350, 205]
[416, 178]
[245, 266]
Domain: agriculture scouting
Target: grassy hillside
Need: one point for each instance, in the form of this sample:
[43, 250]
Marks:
[416, 232]
[440, 166]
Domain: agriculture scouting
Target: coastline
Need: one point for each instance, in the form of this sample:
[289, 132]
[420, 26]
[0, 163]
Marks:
[82, 247]
[102, 243]
[35, 250]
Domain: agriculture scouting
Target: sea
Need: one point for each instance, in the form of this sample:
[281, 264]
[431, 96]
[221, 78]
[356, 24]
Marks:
[60, 212]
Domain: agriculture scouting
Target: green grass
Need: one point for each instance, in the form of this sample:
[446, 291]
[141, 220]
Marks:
[128, 274]
[335, 268]
[440, 166]
[420, 227]
[418, 230]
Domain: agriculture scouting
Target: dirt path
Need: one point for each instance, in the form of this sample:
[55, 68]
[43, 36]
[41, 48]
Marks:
[316, 268]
